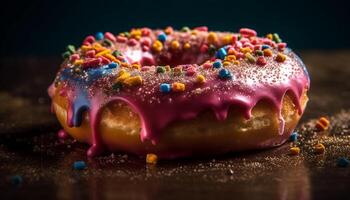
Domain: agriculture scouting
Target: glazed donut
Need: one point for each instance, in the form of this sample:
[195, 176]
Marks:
[179, 93]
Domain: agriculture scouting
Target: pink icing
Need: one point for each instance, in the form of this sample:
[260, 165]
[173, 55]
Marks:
[250, 84]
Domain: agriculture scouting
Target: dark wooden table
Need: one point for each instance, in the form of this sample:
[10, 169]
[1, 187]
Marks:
[29, 148]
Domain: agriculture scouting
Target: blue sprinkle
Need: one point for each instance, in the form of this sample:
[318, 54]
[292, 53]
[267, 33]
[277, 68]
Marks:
[343, 162]
[162, 37]
[217, 64]
[293, 137]
[112, 65]
[16, 180]
[265, 47]
[225, 74]
[79, 165]
[165, 87]
[99, 36]
[221, 53]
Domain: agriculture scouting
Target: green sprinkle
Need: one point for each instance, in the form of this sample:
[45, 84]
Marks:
[239, 37]
[116, 53]
[250, 58]
[160, 69]
[259, 53]
[117, 86]
[185, 29]
[66, 54]
[127, 34]
[211, 49]
[71, 48]
[107, 42]
[276, 38]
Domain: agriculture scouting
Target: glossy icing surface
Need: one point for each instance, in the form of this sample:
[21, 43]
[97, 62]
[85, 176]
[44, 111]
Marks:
[200, 71]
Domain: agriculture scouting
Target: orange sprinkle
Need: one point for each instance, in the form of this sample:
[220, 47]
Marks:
[157, 46]
[294, 151]
[175, 44]
[227, 39]
[212, 38]
[246, 50]
[280, 57]
[111, 57]
[200, 79]
[187, 45]
[322, 124]
[151, 159]
[319, 148]
[230, 57]
[267, 52]
[178, 87]
[136, 66]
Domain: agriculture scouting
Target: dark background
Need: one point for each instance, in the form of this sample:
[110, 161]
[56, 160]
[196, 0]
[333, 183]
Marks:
[42, 27]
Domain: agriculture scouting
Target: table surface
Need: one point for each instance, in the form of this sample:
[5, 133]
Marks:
[29, 148]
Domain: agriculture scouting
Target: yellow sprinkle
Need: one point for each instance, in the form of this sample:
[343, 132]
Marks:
[187, 45]
[231, 57]
[78, 62]
[107, 51]
[178, 87]
[97, 45]
[151, 159]
[122, 76]
[112, 58]
[212, 38]
[177, 71]
[200, 79]
[175, 44]
[133, 81]
[246, 50]
[280, 57]
[319, 148]
[236, 62]
[167, 68]
[157, 46]
[267, 52]
[226, 63]
[136, 66]
[86, 48]
[250, 58]
[227, 39]
[294, 151]
[136, 33]
[269, 36]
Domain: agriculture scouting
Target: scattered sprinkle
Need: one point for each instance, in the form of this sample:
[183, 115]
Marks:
[343, 162]
[280, 57]
[319, 148]
[322, 124]
[225, 74]
[151, 159]
[165, 87]
[293, 137]
[178, 87]
[79, 165]
[217, 64]
[294, 151]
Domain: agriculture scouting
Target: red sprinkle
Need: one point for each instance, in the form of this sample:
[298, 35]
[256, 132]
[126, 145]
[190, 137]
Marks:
[281, 46]
[246, 32]
[145, 48]
[121, 39]
[105, 61]
[201, 28]
[132, 42]
[204, 48]
[234, 38]
[74, 57]
[145, 31]
[146, 41]
[95, 62]
[90, 53]
[89, 39]
[257, 47]
[261, 61]
[110, 36]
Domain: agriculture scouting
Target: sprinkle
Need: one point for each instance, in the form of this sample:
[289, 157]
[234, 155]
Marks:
[110, 36]
[250, 58]
[265, 47]
[236, 62]
[200, 79]
[177, 70]
[165, 88]
[225, 74]
[212, 38]
[276, 38]
[162, 37]
[259, 53]
[230, 57]
[185, 29]
[111, 57]
[267, 52]
[190, 71]
[79, 165]
[74, 57]
[269, 36]
[227, 39]
[136, 66]
[226, 63]
[187, 45]
[294, 151]
[169, 30]
[246, 32]
[157, 46]
[121, 39]
[71, 48]
[16, 180]
[95, 62]
[281, 46]
[160, 69]
[319, 148]
[246, 50]
[133, 81]
[322, 124]
[343, 162]
[217, 64]
[78, 62]
[201, 28]
[178, 87]
[221, 53]
[123, 75]
[66, 54]
[116, 53]
[175, 44]
[89, 39]
[136, 33]
[117, 86]
[132, 42]
[211, 49]
[280, 57]
[99, 36]
[145, 31]
[293, 137]
[261, 61]
[103, 53]
[113, 65]
[151, 158]
[204, 48]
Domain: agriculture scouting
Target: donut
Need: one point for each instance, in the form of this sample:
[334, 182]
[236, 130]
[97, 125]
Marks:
[179, 93]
